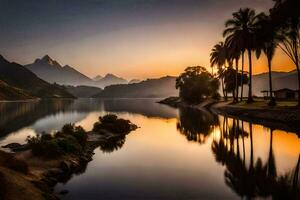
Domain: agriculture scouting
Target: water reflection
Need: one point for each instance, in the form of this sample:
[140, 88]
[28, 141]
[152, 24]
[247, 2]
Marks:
[15, 116]
[113, 144]
[196, 125]
[257, 179]
[162, 159]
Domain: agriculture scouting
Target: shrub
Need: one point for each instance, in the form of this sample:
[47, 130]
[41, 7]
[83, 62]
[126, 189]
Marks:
[70, 140]
[111, 123]
[41, 147]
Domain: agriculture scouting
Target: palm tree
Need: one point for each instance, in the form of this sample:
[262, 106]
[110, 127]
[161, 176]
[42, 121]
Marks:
[218, 58]
[290, 44]
[286, 16]
[234, 45]
[267, 41]
[244, 22]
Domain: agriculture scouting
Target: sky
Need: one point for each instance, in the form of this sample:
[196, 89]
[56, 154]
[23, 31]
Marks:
[129, 38]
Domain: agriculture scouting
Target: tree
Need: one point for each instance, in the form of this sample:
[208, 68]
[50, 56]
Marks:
[286, 16]
[233, 79]
[195, 84]
[244, 22]
[267, 41]
[218, 58]
[235, 47]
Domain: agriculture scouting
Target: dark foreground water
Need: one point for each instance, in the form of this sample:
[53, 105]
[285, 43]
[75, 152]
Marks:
[175, 154]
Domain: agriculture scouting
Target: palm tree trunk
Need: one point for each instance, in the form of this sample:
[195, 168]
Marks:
[250, 98]
[296, 175]
[298, 72]
[243, 139]
[251, 147]
[223, 89]
[236, 98]
[242, 81]
[297, 66]
[272, 100]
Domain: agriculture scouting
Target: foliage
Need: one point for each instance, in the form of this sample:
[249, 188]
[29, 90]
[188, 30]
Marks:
[113, 124]
[70, 140]
[196, 84]
[229, 79]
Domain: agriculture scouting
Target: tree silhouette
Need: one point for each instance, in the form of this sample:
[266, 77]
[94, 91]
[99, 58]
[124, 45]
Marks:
[244, 22]
[196, 84]
[267, 41]
[218, 58]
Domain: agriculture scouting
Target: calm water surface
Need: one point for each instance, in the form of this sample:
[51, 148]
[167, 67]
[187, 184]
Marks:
[175, 154]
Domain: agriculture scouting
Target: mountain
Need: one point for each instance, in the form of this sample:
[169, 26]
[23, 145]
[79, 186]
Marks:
[83, 91]
[279, 79]
[110, 79]
[161, 87]
[97, 78]
[134, 81]
[18, 76]
[52, 72]
[9, 93]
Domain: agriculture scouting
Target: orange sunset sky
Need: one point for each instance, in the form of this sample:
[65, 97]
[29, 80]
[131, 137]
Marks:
[130, 38]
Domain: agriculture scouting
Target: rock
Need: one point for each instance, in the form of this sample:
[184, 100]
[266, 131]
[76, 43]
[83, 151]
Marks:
[16, 146]
[53, 172]
[64, 192]
[65, 166]
[12, 145]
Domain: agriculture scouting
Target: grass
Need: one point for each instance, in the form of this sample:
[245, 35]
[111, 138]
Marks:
[261, 103]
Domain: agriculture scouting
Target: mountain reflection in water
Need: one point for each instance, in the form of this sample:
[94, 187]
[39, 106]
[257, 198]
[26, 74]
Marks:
[175, 154]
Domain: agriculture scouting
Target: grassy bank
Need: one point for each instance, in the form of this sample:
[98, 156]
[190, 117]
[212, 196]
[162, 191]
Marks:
[284, 116]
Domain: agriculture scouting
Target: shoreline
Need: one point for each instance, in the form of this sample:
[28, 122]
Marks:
[43, 174]
[283, 118]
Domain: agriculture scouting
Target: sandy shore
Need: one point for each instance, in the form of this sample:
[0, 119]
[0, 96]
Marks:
[43, 174]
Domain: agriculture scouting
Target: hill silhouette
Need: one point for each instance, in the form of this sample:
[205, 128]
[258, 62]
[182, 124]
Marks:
[150, 88]
[18, 76]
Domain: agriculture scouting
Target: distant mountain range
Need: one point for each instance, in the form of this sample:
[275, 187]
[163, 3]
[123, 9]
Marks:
[16, 79]
[110, 79]
[161, 87]
[51, 71]
[83, 91]
[279, 79]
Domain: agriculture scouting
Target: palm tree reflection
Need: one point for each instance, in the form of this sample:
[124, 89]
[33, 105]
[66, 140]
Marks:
[256, 179]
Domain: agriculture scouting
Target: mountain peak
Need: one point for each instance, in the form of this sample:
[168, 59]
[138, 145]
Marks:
[109, 75]
[48, 60]
[2, 59]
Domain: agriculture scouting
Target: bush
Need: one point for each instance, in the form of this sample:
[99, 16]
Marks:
[42, 147]
[70, 140]
[111, 123]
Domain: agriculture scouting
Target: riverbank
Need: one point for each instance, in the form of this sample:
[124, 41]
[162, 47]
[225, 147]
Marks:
[285, 116]
[26, 175]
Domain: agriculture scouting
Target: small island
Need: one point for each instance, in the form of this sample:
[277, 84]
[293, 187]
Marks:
[46, 159]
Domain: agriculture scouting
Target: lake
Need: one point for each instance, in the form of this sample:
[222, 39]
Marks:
[175, 154]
